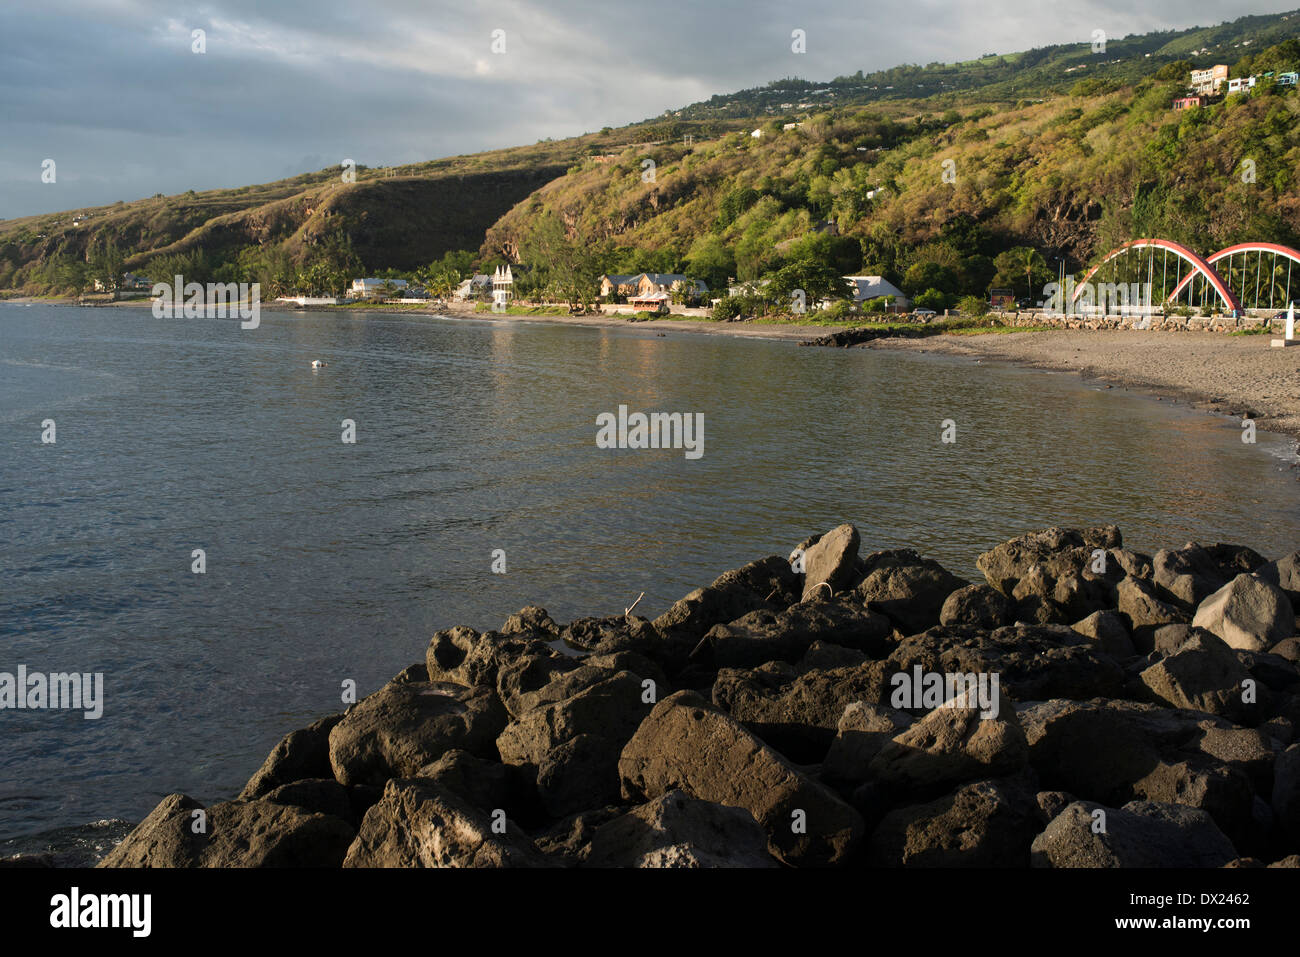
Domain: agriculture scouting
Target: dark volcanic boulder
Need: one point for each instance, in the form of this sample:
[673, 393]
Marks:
[911, 590]
[1140, 834]
[687, 744]
[301, 754]
[1285, 574]
[1032, 662]
[1141, 603]
[792, 710]
[981, 606]
[486, 785]
[763, 636]
[402, 727]
[1109, 632]
[864, 729]
[464, 656]
[832, 562]
[983, 824]
[570, 747]
[418, 824]
[1058, 550]
[766, 585]
[317, 795]
[1248, 613]
[951, 744]
[1202, 675]
[677, 830]
[232, 834]
[1116, 751]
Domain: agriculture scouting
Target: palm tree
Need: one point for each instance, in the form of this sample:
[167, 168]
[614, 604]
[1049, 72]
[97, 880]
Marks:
[1032, 260]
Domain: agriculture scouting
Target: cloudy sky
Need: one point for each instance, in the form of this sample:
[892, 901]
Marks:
[114, 93]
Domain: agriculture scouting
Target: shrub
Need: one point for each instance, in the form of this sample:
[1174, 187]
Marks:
[973, 306]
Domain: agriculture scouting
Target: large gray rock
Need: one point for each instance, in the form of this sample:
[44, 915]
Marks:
[862, 732]
[1285, 574]
[1033, 662]
[831, 561]
[570, 748]
[1117, 751]
[1140, 834]
[1202, 675]
[950, 745]
[232, 834]
[981, 606]
[1108, 631]
[983, 824]
[1059, 551]
[464, 656]
[686, 743]
[795, 711]
[417, 824]
[402, 727]
[677, 830]
[1146, 610]
[766, 585]
[907, 588]
[300, 755]
[763, 636]
[1248, 613]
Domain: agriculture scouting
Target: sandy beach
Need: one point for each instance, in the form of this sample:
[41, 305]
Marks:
[1220, 373]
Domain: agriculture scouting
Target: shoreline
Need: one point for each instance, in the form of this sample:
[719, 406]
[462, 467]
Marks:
[1212, 372]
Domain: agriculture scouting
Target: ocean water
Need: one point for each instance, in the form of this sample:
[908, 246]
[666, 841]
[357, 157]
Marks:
[328, 561]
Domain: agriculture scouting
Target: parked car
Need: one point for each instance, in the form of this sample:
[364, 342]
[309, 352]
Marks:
[924, 313]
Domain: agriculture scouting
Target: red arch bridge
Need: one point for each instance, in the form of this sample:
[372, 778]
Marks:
[1235, 279]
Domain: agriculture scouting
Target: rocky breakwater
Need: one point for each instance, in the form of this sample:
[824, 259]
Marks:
[1085, 706]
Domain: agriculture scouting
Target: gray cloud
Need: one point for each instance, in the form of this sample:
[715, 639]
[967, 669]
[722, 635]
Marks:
[112, 92]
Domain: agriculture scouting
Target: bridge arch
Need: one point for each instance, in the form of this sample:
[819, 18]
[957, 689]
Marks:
[1199, 267]
[1292, 256]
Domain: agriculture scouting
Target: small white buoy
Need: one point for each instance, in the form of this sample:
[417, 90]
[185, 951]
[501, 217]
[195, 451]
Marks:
[318, 364]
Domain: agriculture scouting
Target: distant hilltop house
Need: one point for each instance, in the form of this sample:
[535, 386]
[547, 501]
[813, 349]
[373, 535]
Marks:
[1207, 82]
[375, 288]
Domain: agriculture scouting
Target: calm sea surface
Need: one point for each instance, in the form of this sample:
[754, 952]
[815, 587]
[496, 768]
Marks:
[329, 561]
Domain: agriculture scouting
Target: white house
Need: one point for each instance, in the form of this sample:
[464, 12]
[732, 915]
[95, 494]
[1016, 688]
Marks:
[503, 282]
[866, 288]
[375, 288]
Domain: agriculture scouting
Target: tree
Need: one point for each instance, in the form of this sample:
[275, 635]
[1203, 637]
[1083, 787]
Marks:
[1021, 264]
[712, 260]
[572, 265]
[817, 279]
